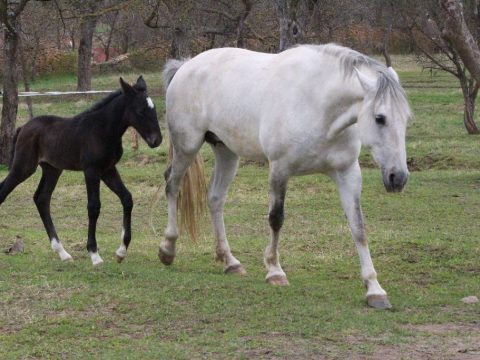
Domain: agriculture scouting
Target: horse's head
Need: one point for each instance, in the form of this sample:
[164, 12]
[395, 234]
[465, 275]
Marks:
[140, 112]
[382, 122]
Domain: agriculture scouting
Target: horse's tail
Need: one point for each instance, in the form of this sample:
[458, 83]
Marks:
[193, 189]
[170, 69]
[12, 149]
[192, 198]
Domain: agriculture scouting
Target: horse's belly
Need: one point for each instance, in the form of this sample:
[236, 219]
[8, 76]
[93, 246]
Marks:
[323, 158]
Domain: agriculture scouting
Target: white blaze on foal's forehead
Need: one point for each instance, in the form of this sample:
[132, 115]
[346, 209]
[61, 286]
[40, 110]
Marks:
[150, 103]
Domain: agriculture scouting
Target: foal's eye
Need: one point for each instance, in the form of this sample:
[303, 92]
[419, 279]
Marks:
[380, 119]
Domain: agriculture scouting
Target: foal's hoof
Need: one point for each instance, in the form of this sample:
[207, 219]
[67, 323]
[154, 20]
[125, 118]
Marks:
[379, 302]
[235, 269]
[165, 258]
[67, 258]
[96, 259]
[97, 263]
[119, 258]
[278, 280]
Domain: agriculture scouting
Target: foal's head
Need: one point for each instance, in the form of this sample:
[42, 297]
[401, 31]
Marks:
[140, 112]
[382, 123]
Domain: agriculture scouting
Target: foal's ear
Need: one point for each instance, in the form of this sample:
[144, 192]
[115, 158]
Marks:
[368, 84]
[141, 84]
[127, 89]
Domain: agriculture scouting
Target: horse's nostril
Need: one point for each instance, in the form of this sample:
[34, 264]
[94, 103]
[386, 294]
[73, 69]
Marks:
[391, 178]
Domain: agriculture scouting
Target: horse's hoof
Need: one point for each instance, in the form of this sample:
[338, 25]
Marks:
[97, 263]
[379, 302]
[235, 269]
[278, 280]
[67, 258]
[165, 258]
[119, 258]
[96, 259]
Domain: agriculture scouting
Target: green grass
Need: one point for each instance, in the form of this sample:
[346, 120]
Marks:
[424, 243]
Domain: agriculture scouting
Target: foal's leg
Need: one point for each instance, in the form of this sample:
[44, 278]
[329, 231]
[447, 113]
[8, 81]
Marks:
[278, 189]
[23, 167]
[226, 164]
[173, 176]
[112, 179]
[349, 184]
[92, 180]
[42, 199]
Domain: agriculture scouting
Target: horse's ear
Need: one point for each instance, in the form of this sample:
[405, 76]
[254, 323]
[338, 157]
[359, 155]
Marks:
[127, 89]
[141, 84]
[368, 84]
[394, 74]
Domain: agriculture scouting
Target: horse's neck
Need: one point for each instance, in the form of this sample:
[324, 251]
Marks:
[114, 117]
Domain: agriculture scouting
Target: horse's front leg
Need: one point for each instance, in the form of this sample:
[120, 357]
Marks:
[112, 179]
[349, 183]
[92, 180]
[278, 188]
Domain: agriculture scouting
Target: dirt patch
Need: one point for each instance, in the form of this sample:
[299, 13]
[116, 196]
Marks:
[427, 342]
[432, 342]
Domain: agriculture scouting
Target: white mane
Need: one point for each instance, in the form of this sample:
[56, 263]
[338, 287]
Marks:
[387, 85]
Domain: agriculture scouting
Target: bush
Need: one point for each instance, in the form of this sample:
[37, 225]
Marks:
[147, 59]
[61, 63]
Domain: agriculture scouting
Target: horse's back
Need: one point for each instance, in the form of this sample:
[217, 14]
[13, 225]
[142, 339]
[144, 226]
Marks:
[258, 104]
[226, 91]
[53, 139]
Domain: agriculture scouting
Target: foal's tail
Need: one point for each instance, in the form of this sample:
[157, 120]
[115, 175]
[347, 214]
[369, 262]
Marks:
[193, 189]
[12, 149]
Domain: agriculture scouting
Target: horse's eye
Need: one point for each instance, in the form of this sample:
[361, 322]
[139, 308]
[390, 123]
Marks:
[380, 119]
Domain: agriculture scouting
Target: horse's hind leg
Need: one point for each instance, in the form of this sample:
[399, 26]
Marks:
[112, 179]
[278, 188]
[42, 198]
[349, 183]
[226, 164]
[173, 176]
[22, 168]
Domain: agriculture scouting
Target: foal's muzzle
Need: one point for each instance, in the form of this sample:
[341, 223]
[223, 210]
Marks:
[154, 140]
[394, 181]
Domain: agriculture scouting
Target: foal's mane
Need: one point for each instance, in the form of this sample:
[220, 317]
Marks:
[387, 85]
[102, 103]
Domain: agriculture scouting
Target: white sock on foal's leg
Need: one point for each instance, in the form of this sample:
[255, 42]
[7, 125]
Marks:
[58, 248]
[96, 259]
[122, 250]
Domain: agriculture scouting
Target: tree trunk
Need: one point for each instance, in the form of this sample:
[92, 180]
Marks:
[180, 44]
[84, 75]
[388, 33]
[10, 93]
[456, 32]
[283, 24]
[470, 91]
[468, 117]
[26, 79]
[110, 36]
[240, 40]
[289, 31]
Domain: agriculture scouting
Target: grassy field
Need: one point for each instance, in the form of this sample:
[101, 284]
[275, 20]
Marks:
[425, 243]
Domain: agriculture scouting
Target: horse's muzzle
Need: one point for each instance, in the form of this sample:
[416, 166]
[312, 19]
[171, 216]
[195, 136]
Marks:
[395, 181]
[154, 140]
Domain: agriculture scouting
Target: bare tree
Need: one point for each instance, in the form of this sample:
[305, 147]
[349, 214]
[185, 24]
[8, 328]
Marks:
[426, 22]
[88, 19]
[9, 13]
[289, 30]
[457, 34]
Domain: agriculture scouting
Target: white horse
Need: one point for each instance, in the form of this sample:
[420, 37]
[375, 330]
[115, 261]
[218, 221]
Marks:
[306, 110]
